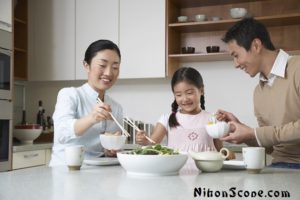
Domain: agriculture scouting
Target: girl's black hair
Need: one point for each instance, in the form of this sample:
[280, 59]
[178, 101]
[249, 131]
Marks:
[97, 46]
[191, 76]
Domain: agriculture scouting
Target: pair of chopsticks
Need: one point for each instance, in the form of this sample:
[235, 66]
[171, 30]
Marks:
[132, 124]
[99, 101]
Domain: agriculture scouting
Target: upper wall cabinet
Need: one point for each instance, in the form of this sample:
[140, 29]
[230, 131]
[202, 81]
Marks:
[6, 15]
[142, 38]
[282, 19]
[95, 19]
[52, 40]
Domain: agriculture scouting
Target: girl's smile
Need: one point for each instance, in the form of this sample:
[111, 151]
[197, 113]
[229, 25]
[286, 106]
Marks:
[187, 97]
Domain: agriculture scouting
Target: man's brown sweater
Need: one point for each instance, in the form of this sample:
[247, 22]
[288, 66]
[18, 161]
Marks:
[277, 109]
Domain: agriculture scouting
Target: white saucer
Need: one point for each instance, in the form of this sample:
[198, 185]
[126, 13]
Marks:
[234, 164]
[102, 161]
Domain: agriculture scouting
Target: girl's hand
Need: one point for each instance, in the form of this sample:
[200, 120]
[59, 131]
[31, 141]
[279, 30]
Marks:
[100, 113]
[223, 115]
[141, 139]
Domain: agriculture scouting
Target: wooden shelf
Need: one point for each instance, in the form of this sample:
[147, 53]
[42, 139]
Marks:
[206, 57]
[193, 3]
[20, 50]
[20, 34]
[20, 21]
[201, 57]
[281, 20]
[277, 20]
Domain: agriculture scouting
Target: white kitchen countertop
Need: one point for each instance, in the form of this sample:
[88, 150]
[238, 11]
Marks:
[18, 147]
[112, 182]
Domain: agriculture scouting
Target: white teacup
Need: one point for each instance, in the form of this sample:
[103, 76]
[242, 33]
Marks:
[254, 159]
[74, 156]
[217, 130]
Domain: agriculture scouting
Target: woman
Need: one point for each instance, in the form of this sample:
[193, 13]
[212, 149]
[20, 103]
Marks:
[78, 119]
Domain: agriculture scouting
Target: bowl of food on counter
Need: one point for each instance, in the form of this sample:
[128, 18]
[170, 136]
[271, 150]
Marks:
[153, 160]
[113, 141]
[27, 133]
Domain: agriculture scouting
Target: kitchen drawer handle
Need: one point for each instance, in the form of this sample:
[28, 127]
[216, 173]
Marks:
[31, 155]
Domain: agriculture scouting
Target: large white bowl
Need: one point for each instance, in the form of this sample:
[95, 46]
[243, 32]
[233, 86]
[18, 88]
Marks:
[152, 165]
[217, 130]
[238, 12]
[113, 142]
[26, 134]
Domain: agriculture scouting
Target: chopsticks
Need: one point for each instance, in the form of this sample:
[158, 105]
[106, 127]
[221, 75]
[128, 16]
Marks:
[132, 124]
[121, 127]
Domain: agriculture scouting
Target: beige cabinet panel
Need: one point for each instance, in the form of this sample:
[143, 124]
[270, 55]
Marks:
[95, 19]
[142, 38]
[29, 159]
[51, 40]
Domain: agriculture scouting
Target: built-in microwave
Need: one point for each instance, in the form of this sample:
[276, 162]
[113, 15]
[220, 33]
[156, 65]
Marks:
[5, 65]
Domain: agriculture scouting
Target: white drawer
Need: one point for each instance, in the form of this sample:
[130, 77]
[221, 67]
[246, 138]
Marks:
[29, 159]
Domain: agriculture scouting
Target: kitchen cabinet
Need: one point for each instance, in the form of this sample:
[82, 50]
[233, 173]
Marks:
[20, 35]
[60, 32]
[101, 22]
[282, 21]
[142, 38]
[6, 15]
[52, 40]
[31, 158]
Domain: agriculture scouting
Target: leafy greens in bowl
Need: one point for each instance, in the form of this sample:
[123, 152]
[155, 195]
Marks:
[154, 150]
[153, 160]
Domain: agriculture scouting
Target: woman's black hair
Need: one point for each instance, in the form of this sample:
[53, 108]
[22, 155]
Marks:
[245, 31]
[97, 46]
[191, 76]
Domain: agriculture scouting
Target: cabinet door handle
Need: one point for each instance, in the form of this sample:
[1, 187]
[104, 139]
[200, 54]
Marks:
[31, 155]
[5, 23]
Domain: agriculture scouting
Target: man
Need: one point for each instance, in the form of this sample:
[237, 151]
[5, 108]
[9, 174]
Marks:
[276, 97]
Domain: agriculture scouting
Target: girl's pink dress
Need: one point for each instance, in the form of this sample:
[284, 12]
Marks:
[191, 134]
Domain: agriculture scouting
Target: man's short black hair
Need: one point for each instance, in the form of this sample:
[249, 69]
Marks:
[245, 31]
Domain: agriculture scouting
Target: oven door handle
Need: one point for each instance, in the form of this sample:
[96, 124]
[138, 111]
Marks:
[5, 23]
[5, 51]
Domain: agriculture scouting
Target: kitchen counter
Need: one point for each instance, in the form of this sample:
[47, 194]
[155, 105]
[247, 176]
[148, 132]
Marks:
[18, 147]
[112, 182]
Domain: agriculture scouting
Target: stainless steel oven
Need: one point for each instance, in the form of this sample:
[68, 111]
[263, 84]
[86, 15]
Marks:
[5, 65]
[6, 107]
[6, 135]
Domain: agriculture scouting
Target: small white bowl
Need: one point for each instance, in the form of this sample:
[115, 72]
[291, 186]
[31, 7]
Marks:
[27, 133]
[182, 18]
[112, 142]
[217, 130]
[238, 12]
[216, 18]
[152, 165]
[200, 18]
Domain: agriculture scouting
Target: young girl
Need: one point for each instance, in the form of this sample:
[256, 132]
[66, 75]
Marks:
[185, 126]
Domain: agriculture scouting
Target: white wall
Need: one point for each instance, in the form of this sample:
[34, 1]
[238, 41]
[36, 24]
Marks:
[147, 99]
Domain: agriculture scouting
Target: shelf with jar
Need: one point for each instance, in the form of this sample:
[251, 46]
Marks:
[20, 32]
[282, 21]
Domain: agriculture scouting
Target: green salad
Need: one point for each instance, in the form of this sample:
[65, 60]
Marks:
[154, 150]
